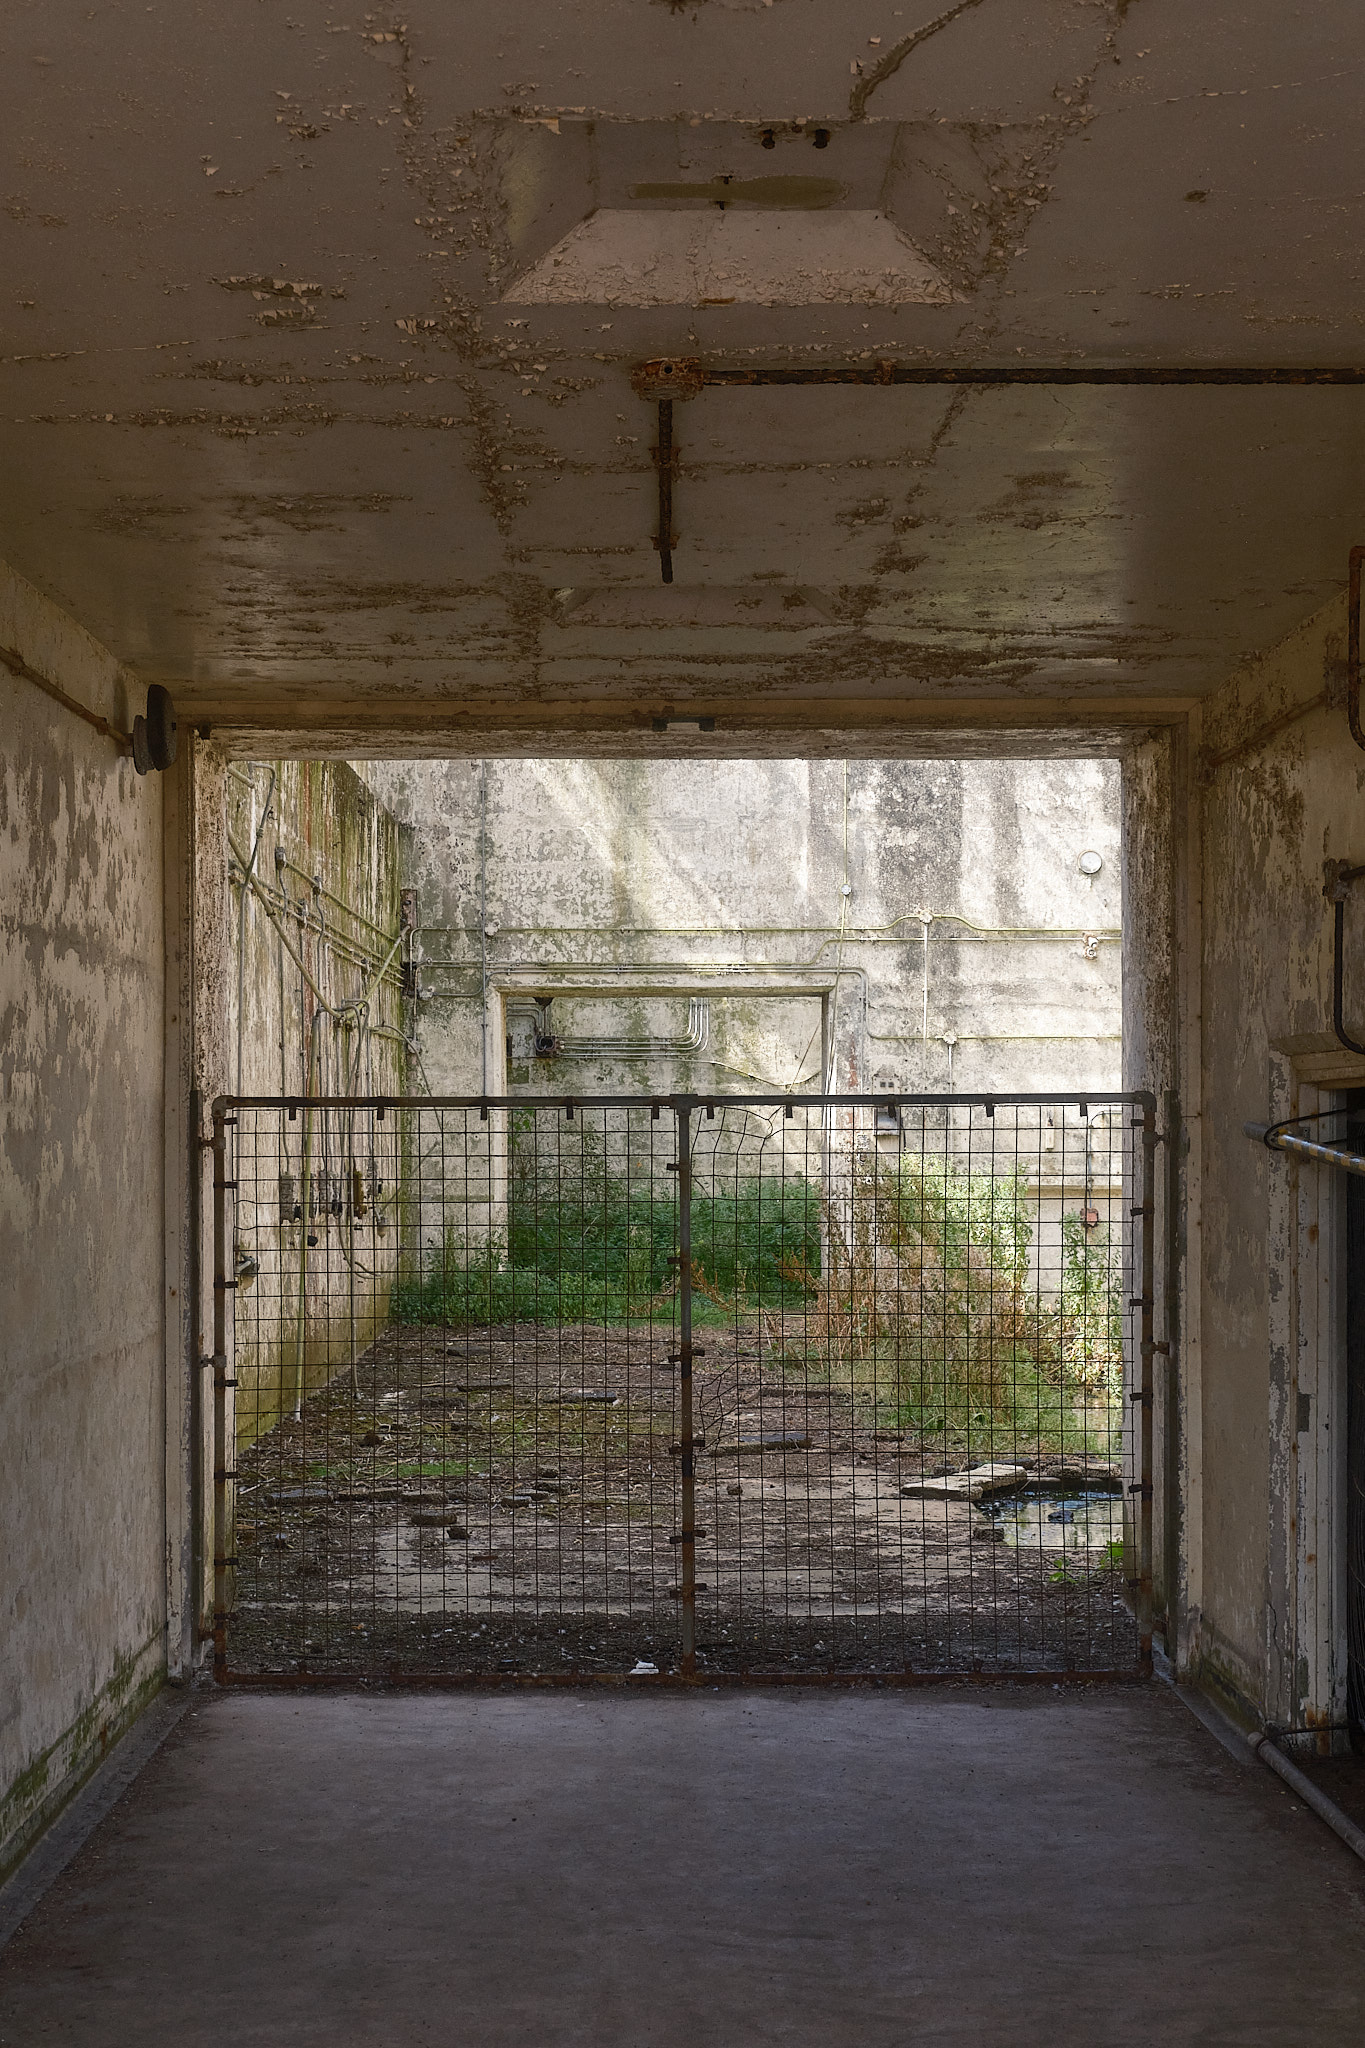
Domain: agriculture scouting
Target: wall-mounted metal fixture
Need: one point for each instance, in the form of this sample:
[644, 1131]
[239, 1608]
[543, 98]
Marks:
[1337, 877]
[154, 734]
[547, 1043]
[1090, 864]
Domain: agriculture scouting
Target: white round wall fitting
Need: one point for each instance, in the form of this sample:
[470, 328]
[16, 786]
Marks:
[1090, 864]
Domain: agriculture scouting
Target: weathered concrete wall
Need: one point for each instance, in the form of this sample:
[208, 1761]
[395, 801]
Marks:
[315, 1007]
[765, 926]
[1262, 1367]
[1155, 886]
[804, 900]
[82, 1361]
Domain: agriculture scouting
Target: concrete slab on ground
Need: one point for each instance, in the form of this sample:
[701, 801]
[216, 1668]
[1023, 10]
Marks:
[720, 1869]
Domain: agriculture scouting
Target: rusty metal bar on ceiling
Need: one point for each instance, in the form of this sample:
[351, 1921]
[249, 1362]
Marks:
[1030, 373]
[685, 376]
[664, 379]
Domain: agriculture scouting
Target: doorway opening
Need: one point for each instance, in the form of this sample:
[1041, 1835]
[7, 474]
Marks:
[686, 1224]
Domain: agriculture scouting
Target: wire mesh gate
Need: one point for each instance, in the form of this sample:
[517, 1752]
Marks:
[677, 1387]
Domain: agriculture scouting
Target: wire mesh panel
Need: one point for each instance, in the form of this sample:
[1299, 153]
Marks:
[788, 1386]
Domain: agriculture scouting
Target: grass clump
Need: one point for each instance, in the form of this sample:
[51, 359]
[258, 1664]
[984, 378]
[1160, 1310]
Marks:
[590, 1241]
[926, 1301]
[910, 1279]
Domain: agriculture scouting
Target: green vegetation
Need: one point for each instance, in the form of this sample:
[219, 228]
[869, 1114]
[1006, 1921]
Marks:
[587, 1241]
[927, 1303]
[909, 1279]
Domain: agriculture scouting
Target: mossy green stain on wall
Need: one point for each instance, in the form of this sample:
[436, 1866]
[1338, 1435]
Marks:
[32, 1799]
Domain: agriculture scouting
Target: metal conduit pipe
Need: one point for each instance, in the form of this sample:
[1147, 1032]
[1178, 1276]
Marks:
[1270, 1754]
[1277, 1139]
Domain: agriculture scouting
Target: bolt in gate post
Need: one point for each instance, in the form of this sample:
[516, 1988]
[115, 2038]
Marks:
[223, 1408]
[686, 1406]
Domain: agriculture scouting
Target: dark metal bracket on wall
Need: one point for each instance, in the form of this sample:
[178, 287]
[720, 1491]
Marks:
[1337, 877]
[664, 380]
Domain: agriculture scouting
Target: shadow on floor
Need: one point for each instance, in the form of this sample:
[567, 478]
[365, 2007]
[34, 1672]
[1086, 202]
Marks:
[1008, 1867]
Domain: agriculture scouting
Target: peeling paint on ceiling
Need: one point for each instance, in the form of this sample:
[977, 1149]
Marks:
[275, 427]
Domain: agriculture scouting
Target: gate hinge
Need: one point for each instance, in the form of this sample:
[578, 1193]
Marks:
[1144, 1398]
[684, 1538]
[1143, 1487]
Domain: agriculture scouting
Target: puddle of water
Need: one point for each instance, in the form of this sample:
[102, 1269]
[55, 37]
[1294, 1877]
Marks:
[1058, 1521]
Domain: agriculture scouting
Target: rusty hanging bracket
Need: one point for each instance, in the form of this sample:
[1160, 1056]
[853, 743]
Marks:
[660, 382]
[1353, 646]
[1338, 875]
[666, 462]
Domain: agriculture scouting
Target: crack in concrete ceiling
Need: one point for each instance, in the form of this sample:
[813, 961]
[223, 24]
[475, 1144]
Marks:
[275, 430]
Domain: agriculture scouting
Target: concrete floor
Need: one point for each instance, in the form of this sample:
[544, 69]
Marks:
[720, 1870]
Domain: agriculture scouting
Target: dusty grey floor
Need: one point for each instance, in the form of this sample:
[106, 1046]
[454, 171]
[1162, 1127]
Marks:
[721, 1869]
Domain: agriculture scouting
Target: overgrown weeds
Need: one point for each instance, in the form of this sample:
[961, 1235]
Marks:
[909, 1279]
[924, 1296]
[587, 1240]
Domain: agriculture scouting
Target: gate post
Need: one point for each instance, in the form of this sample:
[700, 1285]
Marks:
[224, 1412]
[1143, 1395]
[687, 1543]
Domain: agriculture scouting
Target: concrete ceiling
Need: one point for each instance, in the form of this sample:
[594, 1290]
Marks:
[317, 326]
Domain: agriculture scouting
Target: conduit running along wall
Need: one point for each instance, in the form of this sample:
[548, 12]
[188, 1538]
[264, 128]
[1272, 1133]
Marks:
[319, 1007]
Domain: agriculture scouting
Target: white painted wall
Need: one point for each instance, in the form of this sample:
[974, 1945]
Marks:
[83, 1442]
[1278, 786]
[793, 895]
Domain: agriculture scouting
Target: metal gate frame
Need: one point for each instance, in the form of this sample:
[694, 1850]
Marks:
[684, 1108]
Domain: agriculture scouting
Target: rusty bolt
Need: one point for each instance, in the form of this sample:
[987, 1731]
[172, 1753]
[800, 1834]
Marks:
[668, 377]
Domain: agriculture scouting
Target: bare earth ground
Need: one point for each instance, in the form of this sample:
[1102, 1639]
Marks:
[480, 1507]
